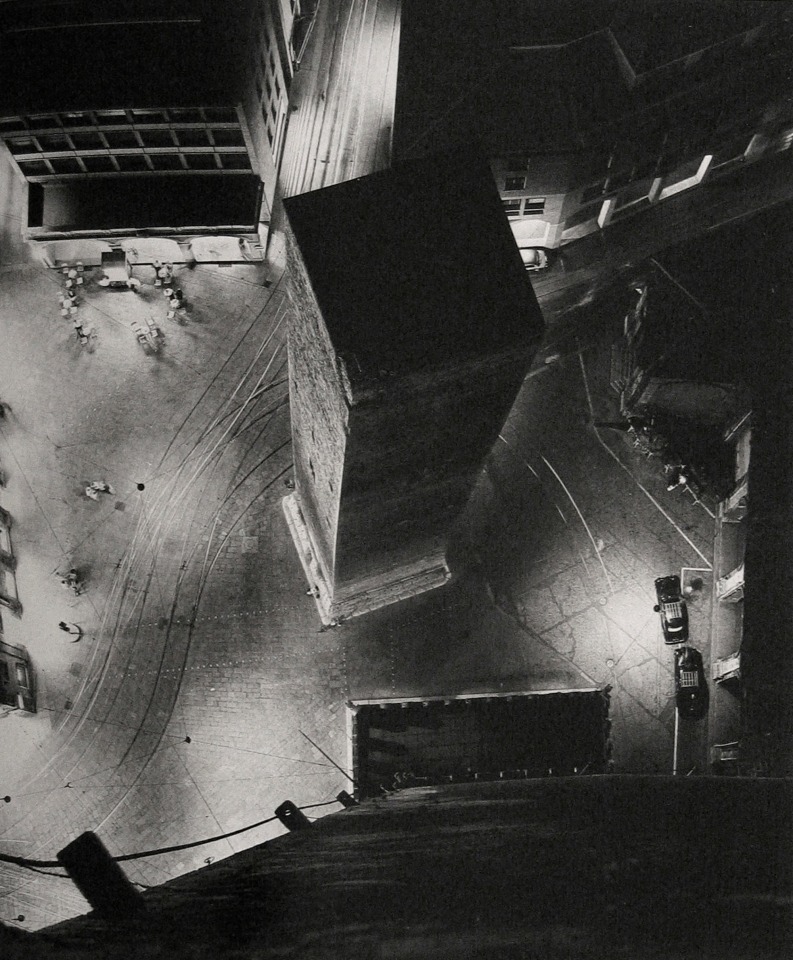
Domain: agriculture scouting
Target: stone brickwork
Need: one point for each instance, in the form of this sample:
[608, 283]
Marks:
[415, 324]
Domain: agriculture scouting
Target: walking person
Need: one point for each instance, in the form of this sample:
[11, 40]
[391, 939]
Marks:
[72, 581]
[74, 630]
[675, 475]
[101, 486]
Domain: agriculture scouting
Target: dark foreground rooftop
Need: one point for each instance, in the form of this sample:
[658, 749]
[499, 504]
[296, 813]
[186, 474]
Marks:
[93, 54]
[569, 867]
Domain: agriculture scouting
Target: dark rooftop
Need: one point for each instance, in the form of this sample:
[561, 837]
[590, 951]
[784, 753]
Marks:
[416, 267]
[113, 203]
[93, 54]
[543, 75]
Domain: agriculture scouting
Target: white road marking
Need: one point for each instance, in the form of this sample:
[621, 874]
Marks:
[646, 492]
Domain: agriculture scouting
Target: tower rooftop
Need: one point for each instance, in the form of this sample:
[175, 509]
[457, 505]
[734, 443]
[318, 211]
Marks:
[415, 268]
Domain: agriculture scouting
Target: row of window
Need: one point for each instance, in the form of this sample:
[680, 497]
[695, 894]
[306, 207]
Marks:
[105, 118]
[524, 207]
[133, 163]
[268, 86]
[126, 138]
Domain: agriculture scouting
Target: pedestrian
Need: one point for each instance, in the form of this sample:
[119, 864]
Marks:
[101, 486]
[90, 492]
[134, 284]
[74, 631]
[72, 581]
[168, 293]
[78, 329]
[4, 409]
[178, 294]
[675, 477]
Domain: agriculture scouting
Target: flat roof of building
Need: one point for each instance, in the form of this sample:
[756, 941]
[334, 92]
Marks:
[139, 202]
[416, 267]
[94, 54]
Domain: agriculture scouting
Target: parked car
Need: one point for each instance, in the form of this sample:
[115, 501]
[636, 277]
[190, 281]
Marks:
[534, 258]
[691, 688]
[672, 608]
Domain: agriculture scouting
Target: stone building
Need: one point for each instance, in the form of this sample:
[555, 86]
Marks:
[120, 135]
[416, 325]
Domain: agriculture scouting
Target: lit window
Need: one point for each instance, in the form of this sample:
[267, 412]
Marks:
[511, 207]
[533, 206]
[515, 183]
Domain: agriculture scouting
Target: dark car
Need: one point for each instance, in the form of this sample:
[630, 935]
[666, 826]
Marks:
[673, 610]
[691, 688]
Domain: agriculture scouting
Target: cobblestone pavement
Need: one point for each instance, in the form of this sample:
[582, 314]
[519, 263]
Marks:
[181, 714]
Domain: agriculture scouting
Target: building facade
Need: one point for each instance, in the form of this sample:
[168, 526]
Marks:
[120, 136]
[590, 123]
